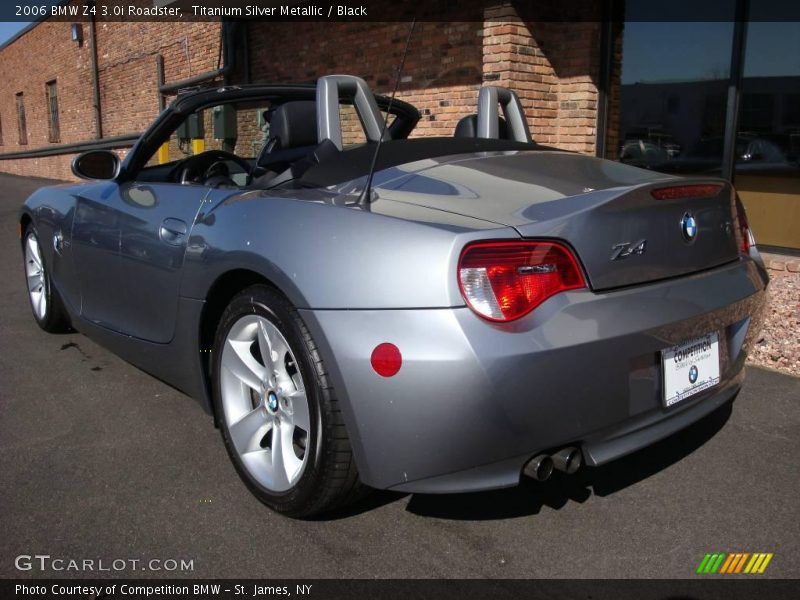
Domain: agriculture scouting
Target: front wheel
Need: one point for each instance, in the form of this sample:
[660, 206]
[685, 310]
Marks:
[278, 414]
[46, 305]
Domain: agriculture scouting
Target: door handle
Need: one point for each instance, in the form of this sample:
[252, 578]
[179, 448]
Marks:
[172, 231]
[58, 241]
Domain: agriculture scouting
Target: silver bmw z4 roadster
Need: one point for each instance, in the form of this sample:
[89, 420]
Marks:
[357, 309]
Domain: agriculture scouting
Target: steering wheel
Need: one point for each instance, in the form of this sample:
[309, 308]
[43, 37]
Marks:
[194, 168]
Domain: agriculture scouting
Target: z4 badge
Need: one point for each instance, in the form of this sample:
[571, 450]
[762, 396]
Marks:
[626, 249]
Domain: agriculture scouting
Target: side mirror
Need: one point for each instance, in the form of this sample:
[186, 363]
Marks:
[96, 164]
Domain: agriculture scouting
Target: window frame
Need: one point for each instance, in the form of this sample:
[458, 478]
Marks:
[22, 124]
[53, 116]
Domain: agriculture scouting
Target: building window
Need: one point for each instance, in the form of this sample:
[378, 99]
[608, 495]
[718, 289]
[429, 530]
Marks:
[674, 80]
[756, 112]
[672, 110]
[1, 131]
[767, 161]
[53, 130]
[22, 127]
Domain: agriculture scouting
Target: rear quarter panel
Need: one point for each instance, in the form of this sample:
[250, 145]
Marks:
[324, 256]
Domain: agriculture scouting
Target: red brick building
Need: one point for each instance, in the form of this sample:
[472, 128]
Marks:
[719, 96]
[553, 66]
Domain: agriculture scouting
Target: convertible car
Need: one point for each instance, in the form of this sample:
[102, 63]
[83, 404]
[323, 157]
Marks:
[357, 309]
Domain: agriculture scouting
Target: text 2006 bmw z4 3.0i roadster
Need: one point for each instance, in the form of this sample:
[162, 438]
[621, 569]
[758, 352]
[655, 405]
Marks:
[444, 315]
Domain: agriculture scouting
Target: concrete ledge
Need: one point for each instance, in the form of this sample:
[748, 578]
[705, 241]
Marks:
[781, 262]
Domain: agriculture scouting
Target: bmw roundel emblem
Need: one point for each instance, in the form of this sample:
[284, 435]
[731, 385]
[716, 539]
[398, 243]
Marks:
[272, 401]
[693, 374]
[689, 227]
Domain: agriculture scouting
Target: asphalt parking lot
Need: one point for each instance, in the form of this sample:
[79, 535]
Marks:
[99, 460]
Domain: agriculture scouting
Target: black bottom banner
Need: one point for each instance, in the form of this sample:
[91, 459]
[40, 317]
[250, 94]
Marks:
[397, 589]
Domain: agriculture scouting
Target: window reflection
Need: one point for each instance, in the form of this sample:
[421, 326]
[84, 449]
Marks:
[669, 100]
[674, 81]
[767, 171]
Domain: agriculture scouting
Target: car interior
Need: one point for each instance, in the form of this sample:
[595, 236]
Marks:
[260, 143]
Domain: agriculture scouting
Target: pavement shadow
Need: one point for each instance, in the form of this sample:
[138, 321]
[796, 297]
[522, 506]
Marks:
[374, 500]
[530, 496]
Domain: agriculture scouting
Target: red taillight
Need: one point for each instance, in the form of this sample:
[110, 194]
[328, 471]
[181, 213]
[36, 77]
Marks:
[745, 236]
[502, 281]
[676, 192]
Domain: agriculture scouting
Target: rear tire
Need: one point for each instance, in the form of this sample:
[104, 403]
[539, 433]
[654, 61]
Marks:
[278, 414]
[46, 305]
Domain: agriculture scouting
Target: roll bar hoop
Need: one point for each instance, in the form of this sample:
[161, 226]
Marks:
[488, 115]
[329, 89]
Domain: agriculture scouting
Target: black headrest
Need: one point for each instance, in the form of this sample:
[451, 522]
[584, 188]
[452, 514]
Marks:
[467, 127]
[294, 124]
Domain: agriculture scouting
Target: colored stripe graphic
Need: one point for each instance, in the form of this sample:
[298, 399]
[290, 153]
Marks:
[764, 564]
[754, 563]
[718, 563]
[703, 563]
[734, 562]
[730, 561]
[711, 562]
[741, 562]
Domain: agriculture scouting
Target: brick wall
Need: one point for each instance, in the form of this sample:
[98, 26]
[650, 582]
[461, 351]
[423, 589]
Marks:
[613, 125]
[43, 54]
[51, 167]
[126, 63]
[442, 73]
[552, 65]
[127, 71]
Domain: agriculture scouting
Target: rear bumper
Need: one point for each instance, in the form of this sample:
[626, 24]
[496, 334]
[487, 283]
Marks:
[637, 433]
[474, 400]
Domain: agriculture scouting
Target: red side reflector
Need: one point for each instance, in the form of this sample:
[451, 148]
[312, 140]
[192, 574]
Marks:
[386, 359]
[703, 190]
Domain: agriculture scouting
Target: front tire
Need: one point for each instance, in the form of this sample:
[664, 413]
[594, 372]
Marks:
[278, 415]
[46, 305]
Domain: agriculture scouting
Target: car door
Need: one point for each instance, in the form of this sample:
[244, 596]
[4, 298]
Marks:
[129, 242]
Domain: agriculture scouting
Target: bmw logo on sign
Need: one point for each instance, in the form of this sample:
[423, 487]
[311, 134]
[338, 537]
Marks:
[692, 374]
[689, 227]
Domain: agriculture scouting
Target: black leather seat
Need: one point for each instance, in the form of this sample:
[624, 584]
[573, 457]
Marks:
[293, 125]
[467, 127]
[292, 147]
[292, 137]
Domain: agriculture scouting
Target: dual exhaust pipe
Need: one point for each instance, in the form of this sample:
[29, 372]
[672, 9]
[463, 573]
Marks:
[567, 460]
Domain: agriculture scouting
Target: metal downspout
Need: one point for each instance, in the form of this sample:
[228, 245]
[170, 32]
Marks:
[98, 115]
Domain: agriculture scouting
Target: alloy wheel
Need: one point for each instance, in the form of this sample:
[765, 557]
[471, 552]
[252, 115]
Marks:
[264, 402]
[35, 274]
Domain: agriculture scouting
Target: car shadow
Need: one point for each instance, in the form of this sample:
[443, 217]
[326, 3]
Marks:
[374, 500]
[530, 496]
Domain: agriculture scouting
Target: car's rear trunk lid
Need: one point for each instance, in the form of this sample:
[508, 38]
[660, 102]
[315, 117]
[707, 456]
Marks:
[636, 237]
[623, 234]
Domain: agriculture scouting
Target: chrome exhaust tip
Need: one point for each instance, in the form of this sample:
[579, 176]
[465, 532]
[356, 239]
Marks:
[539, 467]
[568, 460]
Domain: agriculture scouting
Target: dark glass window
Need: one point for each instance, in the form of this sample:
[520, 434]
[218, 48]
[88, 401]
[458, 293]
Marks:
[767, 171]
[22, 127]
[668, 106]
[53, 127]
[672, 96]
